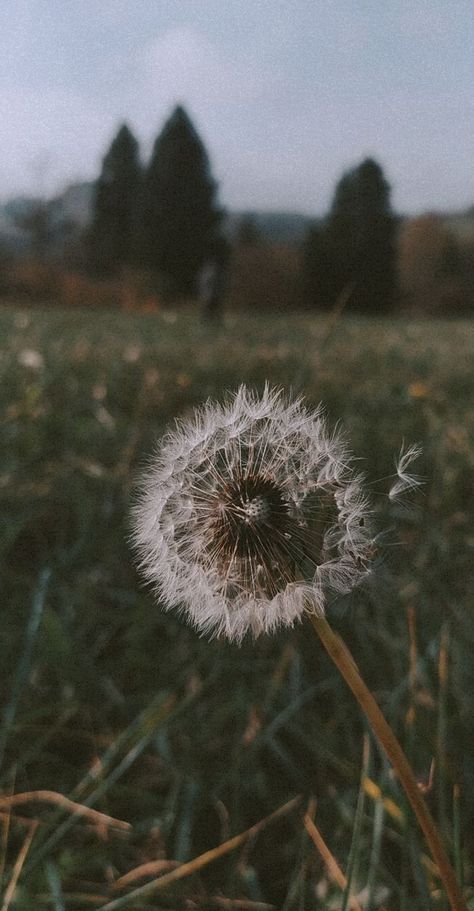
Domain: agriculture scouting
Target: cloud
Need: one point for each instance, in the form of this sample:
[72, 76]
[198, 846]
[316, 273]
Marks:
[183, 65]
[240, 104]
[48, 136]
[283, 98]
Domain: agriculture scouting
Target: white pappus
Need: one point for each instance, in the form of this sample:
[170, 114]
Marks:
[249, 514]
[403, 480]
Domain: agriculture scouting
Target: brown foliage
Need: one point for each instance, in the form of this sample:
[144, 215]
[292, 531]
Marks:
[127, 292]
[32, 278]
[265, 277]
[431, 267]
[36, 280]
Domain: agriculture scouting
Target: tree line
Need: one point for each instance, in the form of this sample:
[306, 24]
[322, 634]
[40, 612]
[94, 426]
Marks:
[158, 226]
[164, 217]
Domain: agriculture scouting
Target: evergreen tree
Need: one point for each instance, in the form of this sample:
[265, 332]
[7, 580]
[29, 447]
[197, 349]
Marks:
[320, 277]
[180, 216]
[113, 235]
[373, 239]
[353, 253]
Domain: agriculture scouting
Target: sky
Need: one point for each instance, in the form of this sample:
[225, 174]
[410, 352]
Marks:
[286, 94]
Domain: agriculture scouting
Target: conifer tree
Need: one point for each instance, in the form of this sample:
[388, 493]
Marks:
[321, 280]
[373, 239]
[180, 215]
[353, 253]
[113, 234]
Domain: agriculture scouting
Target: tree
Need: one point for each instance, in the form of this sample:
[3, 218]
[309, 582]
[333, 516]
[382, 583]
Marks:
[319, 272]
[180, 215]
[373, 239]
[353, 253]
[113, 234]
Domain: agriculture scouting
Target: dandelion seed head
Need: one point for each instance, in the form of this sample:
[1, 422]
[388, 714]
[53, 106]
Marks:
[249, 514]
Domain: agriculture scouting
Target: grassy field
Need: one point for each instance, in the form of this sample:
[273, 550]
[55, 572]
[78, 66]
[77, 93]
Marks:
[114, 704]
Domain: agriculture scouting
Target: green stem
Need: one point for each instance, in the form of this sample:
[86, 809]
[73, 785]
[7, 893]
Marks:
[345, 663]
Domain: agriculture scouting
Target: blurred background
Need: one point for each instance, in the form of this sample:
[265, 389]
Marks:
[195, 195]
[330, 146]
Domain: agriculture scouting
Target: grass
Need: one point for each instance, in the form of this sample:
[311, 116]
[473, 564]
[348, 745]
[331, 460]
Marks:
[121, 708]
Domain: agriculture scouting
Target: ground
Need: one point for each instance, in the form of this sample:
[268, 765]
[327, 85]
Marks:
[110, 701]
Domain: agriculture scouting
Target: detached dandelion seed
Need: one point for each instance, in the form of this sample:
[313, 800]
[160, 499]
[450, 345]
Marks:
[250, 514]
[405, 481]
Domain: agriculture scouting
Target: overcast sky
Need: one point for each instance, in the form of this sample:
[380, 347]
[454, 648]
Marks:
[285, 93]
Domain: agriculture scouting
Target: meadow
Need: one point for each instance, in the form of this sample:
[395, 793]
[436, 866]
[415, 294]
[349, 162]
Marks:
[169, 744]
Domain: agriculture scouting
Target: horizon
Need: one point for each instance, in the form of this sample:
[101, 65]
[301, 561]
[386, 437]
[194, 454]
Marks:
[285, 97]
[238, 210]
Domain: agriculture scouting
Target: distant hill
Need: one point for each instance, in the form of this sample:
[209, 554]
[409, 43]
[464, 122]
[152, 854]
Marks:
[72, 210]
[68, 212]
[12, 237]
[75, 204]
[275, 227]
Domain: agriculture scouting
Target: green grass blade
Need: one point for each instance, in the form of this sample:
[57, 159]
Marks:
[24, 664]
[356, 841]
[151, 720]
[55, 889]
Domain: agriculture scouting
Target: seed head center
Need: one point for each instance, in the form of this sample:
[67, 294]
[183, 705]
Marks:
[257, 509]
[249, 511]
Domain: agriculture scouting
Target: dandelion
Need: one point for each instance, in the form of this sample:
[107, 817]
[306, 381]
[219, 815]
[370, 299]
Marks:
[251, 514]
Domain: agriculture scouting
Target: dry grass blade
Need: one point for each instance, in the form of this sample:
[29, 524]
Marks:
[94, 816]
[374, 792]
[340, 305]
[332, 865]
[239, 904]
[203, 860]
[151, 868]
[22, 855]
[75, 899]
[6, 823]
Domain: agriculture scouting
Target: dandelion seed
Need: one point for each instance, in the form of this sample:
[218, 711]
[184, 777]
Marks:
[405, 481]
[132, 353]
[30, 358]
[249, 514]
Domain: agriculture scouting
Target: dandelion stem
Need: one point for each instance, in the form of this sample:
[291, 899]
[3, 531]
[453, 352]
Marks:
[345, 664]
